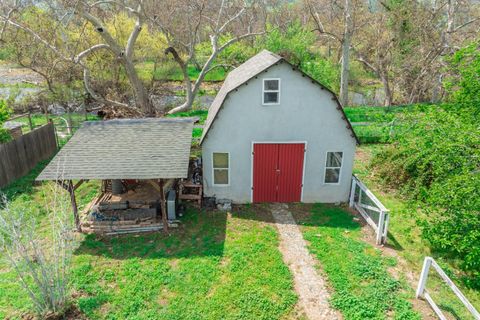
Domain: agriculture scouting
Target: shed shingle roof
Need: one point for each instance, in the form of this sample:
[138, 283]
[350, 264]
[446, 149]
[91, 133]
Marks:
[125, 149]
[246, 71]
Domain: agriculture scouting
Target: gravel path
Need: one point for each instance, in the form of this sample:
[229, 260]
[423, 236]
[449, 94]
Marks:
[309, 285]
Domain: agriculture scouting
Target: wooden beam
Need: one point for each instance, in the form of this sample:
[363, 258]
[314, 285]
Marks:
[163, 206]
[159, 186]
[78, 184]
[71, 191]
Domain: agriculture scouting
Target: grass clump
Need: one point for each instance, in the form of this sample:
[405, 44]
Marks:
[363, 287]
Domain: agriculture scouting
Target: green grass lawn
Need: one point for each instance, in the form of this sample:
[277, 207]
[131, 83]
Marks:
[382, 121]
[215, 265]
[59, 121]
[356, 270]
[405, 237]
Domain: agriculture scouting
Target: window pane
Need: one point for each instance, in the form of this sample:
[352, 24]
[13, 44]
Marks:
[220, 176]
[270, 97]
[271, 84]
[332, 175]
[334, 159]
[220, 160]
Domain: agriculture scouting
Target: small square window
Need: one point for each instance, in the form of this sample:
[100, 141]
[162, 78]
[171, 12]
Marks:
[333, 166]
[271, 91]
[221, 168]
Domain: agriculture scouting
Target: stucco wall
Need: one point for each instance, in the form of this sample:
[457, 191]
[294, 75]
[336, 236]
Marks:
[306, 113]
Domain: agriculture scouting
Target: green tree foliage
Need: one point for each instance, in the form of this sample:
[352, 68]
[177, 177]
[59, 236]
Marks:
[5, 113]
[464, 83]
[437, 161]
[297, 44]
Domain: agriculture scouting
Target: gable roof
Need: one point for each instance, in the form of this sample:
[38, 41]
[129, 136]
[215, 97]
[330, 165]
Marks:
[248, 70]
[125, 149]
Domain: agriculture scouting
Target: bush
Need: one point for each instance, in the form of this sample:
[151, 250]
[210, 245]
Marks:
[436, 160]
[463, 85]
[5, 113]
[5, 135]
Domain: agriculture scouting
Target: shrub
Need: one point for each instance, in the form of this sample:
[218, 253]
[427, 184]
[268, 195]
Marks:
[463, 84]
[5, 113]
[42, 268]
[436, 160]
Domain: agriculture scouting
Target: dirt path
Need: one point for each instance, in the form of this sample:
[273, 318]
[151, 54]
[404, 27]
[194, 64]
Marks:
[309, 285]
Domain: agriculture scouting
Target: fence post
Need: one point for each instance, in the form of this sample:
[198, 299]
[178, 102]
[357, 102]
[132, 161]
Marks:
[30, 121]
[381, 222]
[352, 192]
[423, 277]
[385, 227]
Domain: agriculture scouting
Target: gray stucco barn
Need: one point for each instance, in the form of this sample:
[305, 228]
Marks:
[273, 134]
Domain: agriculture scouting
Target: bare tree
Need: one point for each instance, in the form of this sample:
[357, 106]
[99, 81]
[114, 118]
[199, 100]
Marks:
[68, 14]
[223, 23]
[42, 266]
[341, 27]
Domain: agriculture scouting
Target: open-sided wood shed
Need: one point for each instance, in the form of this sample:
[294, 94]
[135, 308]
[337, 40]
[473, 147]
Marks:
[153, 150]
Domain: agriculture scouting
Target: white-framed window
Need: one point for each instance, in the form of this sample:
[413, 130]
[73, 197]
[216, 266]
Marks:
[333, 167]
[221, 168]
[271, 91]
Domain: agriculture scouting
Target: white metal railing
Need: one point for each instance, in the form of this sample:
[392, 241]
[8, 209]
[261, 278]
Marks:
[422, 291]
[371, 209]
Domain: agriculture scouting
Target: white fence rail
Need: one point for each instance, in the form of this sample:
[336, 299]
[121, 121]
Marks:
[371, 209]
[422, 291]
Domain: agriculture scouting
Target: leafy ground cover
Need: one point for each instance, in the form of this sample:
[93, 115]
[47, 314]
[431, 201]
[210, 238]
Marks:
[406, 239]
[358, 273]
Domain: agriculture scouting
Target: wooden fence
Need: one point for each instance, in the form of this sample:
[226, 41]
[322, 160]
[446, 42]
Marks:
[371, 209]
[423, 293]
[21, 155]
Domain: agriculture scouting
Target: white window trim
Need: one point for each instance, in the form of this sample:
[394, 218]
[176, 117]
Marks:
[341, 168]
[264, 91]
[228, 170]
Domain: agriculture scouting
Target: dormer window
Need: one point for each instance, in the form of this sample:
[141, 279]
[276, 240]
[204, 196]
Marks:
[271, 91]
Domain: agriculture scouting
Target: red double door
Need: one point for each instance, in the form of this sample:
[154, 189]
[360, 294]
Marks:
[278, 172]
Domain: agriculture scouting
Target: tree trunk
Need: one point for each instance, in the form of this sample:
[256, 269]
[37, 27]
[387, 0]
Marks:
[346, 55]
[386, 87]
[141, 96]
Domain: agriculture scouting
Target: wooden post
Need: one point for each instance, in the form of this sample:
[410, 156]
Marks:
[352, 192]
[71, 191]
[423, 277]
[163, 206]
[380, 226]
[30, 121]
[74, 205]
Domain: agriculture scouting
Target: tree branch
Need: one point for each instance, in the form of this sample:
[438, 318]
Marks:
[135, 32]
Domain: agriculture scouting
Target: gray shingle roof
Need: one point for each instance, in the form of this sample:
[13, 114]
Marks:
[237, 77]
[246, 71]
[125, 149]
